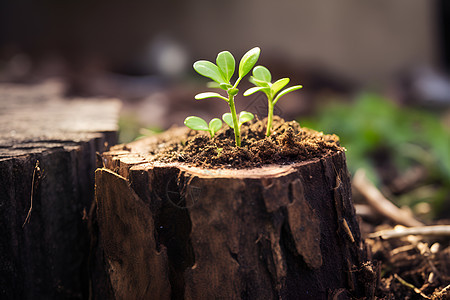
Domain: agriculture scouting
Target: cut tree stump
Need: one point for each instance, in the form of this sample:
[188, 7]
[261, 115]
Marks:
[48, 148]
[170, 231]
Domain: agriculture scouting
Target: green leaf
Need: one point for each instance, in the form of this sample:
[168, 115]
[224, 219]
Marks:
[226, 63]
[210, 70]
[284, 92]
[278, 85]
[228, 119]
[248, 61]
[233, 92]
[214, 125]
[262, 73]
[259, 82]
[196, 123]
[245, 116]
[255, 89]
[225, 86]
[213, 85]
[206, 95]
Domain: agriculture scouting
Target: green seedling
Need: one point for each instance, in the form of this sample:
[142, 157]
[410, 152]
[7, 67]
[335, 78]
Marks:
[244, 116]
[262, 79]
[197, 123]
[221, 73]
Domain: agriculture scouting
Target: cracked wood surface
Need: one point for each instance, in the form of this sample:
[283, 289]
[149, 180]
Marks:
[265, 233]
[46, 257]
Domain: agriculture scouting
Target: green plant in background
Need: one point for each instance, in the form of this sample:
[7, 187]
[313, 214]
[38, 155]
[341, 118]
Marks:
[197, 123]
[263, 81]
[375, 130]
[221, 73]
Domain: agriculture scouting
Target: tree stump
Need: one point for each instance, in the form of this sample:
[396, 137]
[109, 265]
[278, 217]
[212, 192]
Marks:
[171, 231]
[47, 163]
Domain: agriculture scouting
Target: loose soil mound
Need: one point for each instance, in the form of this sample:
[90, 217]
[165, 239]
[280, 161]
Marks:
[288, 143]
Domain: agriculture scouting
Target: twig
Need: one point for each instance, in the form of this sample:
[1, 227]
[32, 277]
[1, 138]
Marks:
[442, 292]
[440, 230]
[380, 203]
[407, 284]
[35, 170]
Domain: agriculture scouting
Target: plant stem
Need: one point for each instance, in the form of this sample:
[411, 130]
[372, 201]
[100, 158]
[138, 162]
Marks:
[237, 133]
[269, 118]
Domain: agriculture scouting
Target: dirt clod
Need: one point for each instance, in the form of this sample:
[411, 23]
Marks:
[288, 143]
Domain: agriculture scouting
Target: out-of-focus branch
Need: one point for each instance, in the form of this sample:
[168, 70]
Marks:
[439, 230]
[382, 205]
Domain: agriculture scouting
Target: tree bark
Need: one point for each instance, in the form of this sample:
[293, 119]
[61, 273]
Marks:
[47, 162]
[276, 232]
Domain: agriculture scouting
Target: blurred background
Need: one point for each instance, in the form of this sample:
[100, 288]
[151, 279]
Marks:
[374, 72]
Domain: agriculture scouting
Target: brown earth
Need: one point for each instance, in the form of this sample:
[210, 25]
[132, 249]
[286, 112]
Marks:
[412, 267]
[288, 143]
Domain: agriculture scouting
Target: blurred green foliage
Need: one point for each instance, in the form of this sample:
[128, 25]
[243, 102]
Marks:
[130, 128]
[408, 137]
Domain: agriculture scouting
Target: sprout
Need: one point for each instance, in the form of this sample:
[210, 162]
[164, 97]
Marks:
[262, 80]
[197, 123]
[221, 74]
[244, 116]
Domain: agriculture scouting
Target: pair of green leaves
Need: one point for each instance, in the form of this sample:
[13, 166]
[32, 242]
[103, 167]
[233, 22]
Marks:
[223, 70]
[197, 123]
[262, 79]
[244, 116]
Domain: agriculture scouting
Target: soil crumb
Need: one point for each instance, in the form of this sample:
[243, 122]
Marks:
[288, 143]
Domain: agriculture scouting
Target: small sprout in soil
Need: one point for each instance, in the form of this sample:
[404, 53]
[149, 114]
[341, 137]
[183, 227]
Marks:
[244, 116]
[221, 73]
[262, 80]
[197, 123]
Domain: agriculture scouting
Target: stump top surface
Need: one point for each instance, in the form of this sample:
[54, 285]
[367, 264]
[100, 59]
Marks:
[267, 171]
[38, 117]
[290, 146]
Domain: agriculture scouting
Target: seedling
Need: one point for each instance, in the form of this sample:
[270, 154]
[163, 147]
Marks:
[197, 123]
[244, 116]
[221, 74]
[263, 81]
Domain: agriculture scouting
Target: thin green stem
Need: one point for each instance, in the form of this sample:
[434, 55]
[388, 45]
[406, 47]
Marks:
[236, 83]
[237, 133]
[269, 117]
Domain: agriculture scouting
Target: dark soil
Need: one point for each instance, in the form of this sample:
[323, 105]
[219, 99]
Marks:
[412, 267]
[288, 143]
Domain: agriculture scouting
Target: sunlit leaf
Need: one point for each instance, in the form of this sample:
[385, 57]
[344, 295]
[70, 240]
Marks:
[210, 70]
[228, 119]
[214, 125]
[262, 73]
[209, 95]
[245, 116]
[248, 61]
[225, 86]
[288, 90]
[255, 89]
[278, 85]
[196, 123]
[259, 82]
[226, 63]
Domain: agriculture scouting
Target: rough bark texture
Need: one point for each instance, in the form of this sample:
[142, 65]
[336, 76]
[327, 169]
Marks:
[277, 232]
[48, 151]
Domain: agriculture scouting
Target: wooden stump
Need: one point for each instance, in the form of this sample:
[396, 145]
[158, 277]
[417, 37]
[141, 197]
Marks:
[276, 232]
[48, 148]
